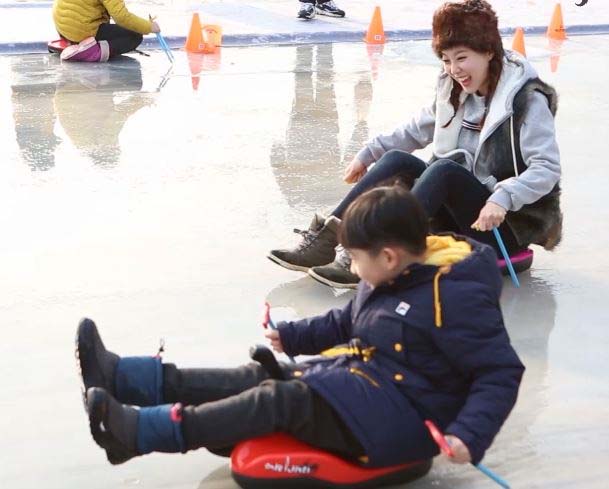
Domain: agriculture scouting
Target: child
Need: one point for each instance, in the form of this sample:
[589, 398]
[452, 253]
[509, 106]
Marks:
[426, 338]
[308, 9]
[86, 23]
[495, 163]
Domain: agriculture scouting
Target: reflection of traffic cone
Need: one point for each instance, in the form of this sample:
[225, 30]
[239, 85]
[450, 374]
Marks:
[199, 62]
[195, 63]
[554, 59]
[194, 41]
[556, 29]
[555, 47]
[518, 42]
[375, 53]
[212, 62]
[375, 34]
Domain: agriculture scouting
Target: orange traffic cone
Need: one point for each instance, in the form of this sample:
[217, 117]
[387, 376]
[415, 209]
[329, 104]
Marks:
[518, 42]
[194, 41]
[556, 29]
[375, 34]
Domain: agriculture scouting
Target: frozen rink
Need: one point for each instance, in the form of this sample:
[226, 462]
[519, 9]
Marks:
[27, 25]
[147, 200]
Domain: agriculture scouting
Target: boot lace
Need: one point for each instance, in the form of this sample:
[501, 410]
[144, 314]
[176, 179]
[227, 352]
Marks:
[308, 238]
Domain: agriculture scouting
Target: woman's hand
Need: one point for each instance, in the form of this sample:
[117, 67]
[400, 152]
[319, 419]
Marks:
[491, 216]
[155, 27]
[355, 171]
[273, 336]
[461, 453]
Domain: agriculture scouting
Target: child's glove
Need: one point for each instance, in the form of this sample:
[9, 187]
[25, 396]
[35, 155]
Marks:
[461, 453]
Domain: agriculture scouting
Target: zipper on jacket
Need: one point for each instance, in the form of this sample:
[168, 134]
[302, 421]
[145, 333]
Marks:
[357, 371]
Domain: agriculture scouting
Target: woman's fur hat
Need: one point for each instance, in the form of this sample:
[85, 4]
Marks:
[470, 23]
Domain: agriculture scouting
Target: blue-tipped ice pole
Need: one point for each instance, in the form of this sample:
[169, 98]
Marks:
[506, 257]
[164, 46]
[489, 473]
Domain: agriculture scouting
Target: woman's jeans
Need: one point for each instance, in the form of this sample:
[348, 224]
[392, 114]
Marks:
[445, 189]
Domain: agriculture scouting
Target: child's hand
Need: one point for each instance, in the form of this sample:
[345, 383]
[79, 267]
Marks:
[273, 336]
[155, 27]
[461, 453]
[354, 171]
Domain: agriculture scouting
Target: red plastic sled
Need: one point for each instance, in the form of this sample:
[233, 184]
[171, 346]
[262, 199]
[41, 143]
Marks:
[520, 261]
[58, 46]
[279, 460]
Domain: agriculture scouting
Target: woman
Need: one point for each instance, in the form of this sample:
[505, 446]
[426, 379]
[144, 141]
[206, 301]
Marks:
[86, 24]
[495, 161]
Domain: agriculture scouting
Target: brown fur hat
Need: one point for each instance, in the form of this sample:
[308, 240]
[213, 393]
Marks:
[470, 23]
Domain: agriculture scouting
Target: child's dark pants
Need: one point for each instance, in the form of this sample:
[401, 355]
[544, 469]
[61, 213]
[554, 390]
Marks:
[121, 40]
[225, 406]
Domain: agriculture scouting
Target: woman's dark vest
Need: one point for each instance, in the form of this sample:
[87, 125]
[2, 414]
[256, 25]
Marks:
[540, 222]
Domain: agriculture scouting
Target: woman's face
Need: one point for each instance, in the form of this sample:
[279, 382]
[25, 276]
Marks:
[468, 68]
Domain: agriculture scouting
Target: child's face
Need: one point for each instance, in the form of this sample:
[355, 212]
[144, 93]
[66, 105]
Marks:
[377, 269]
[468, 68]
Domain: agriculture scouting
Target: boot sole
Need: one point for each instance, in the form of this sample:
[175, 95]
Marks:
[86, 336]
[83, 388]
[304, 17]
[287, 265]
[66, 54]
[97, 406]
[328, 14]
[330, 283]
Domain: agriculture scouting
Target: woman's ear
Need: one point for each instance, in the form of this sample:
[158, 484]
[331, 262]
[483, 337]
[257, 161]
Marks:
[490, 55]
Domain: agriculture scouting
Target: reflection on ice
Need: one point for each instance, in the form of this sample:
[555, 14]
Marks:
[152, 211]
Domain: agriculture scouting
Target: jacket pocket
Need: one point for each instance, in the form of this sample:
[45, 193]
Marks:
[364, 375]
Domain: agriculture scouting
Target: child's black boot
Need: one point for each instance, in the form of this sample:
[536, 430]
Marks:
[125, 432]
[131, 380]
[96, 365]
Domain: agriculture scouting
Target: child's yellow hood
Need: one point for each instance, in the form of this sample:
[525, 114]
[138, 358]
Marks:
[446, 250]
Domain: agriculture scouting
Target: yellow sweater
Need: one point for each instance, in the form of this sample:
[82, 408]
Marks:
[78, 19]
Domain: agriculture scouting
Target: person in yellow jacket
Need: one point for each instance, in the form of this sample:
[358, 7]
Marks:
[86, 24]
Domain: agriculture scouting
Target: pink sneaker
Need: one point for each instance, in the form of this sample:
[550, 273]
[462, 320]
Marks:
[88, 50]
[58, 46]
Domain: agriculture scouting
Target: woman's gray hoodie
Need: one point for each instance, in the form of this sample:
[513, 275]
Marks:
[537, 136]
